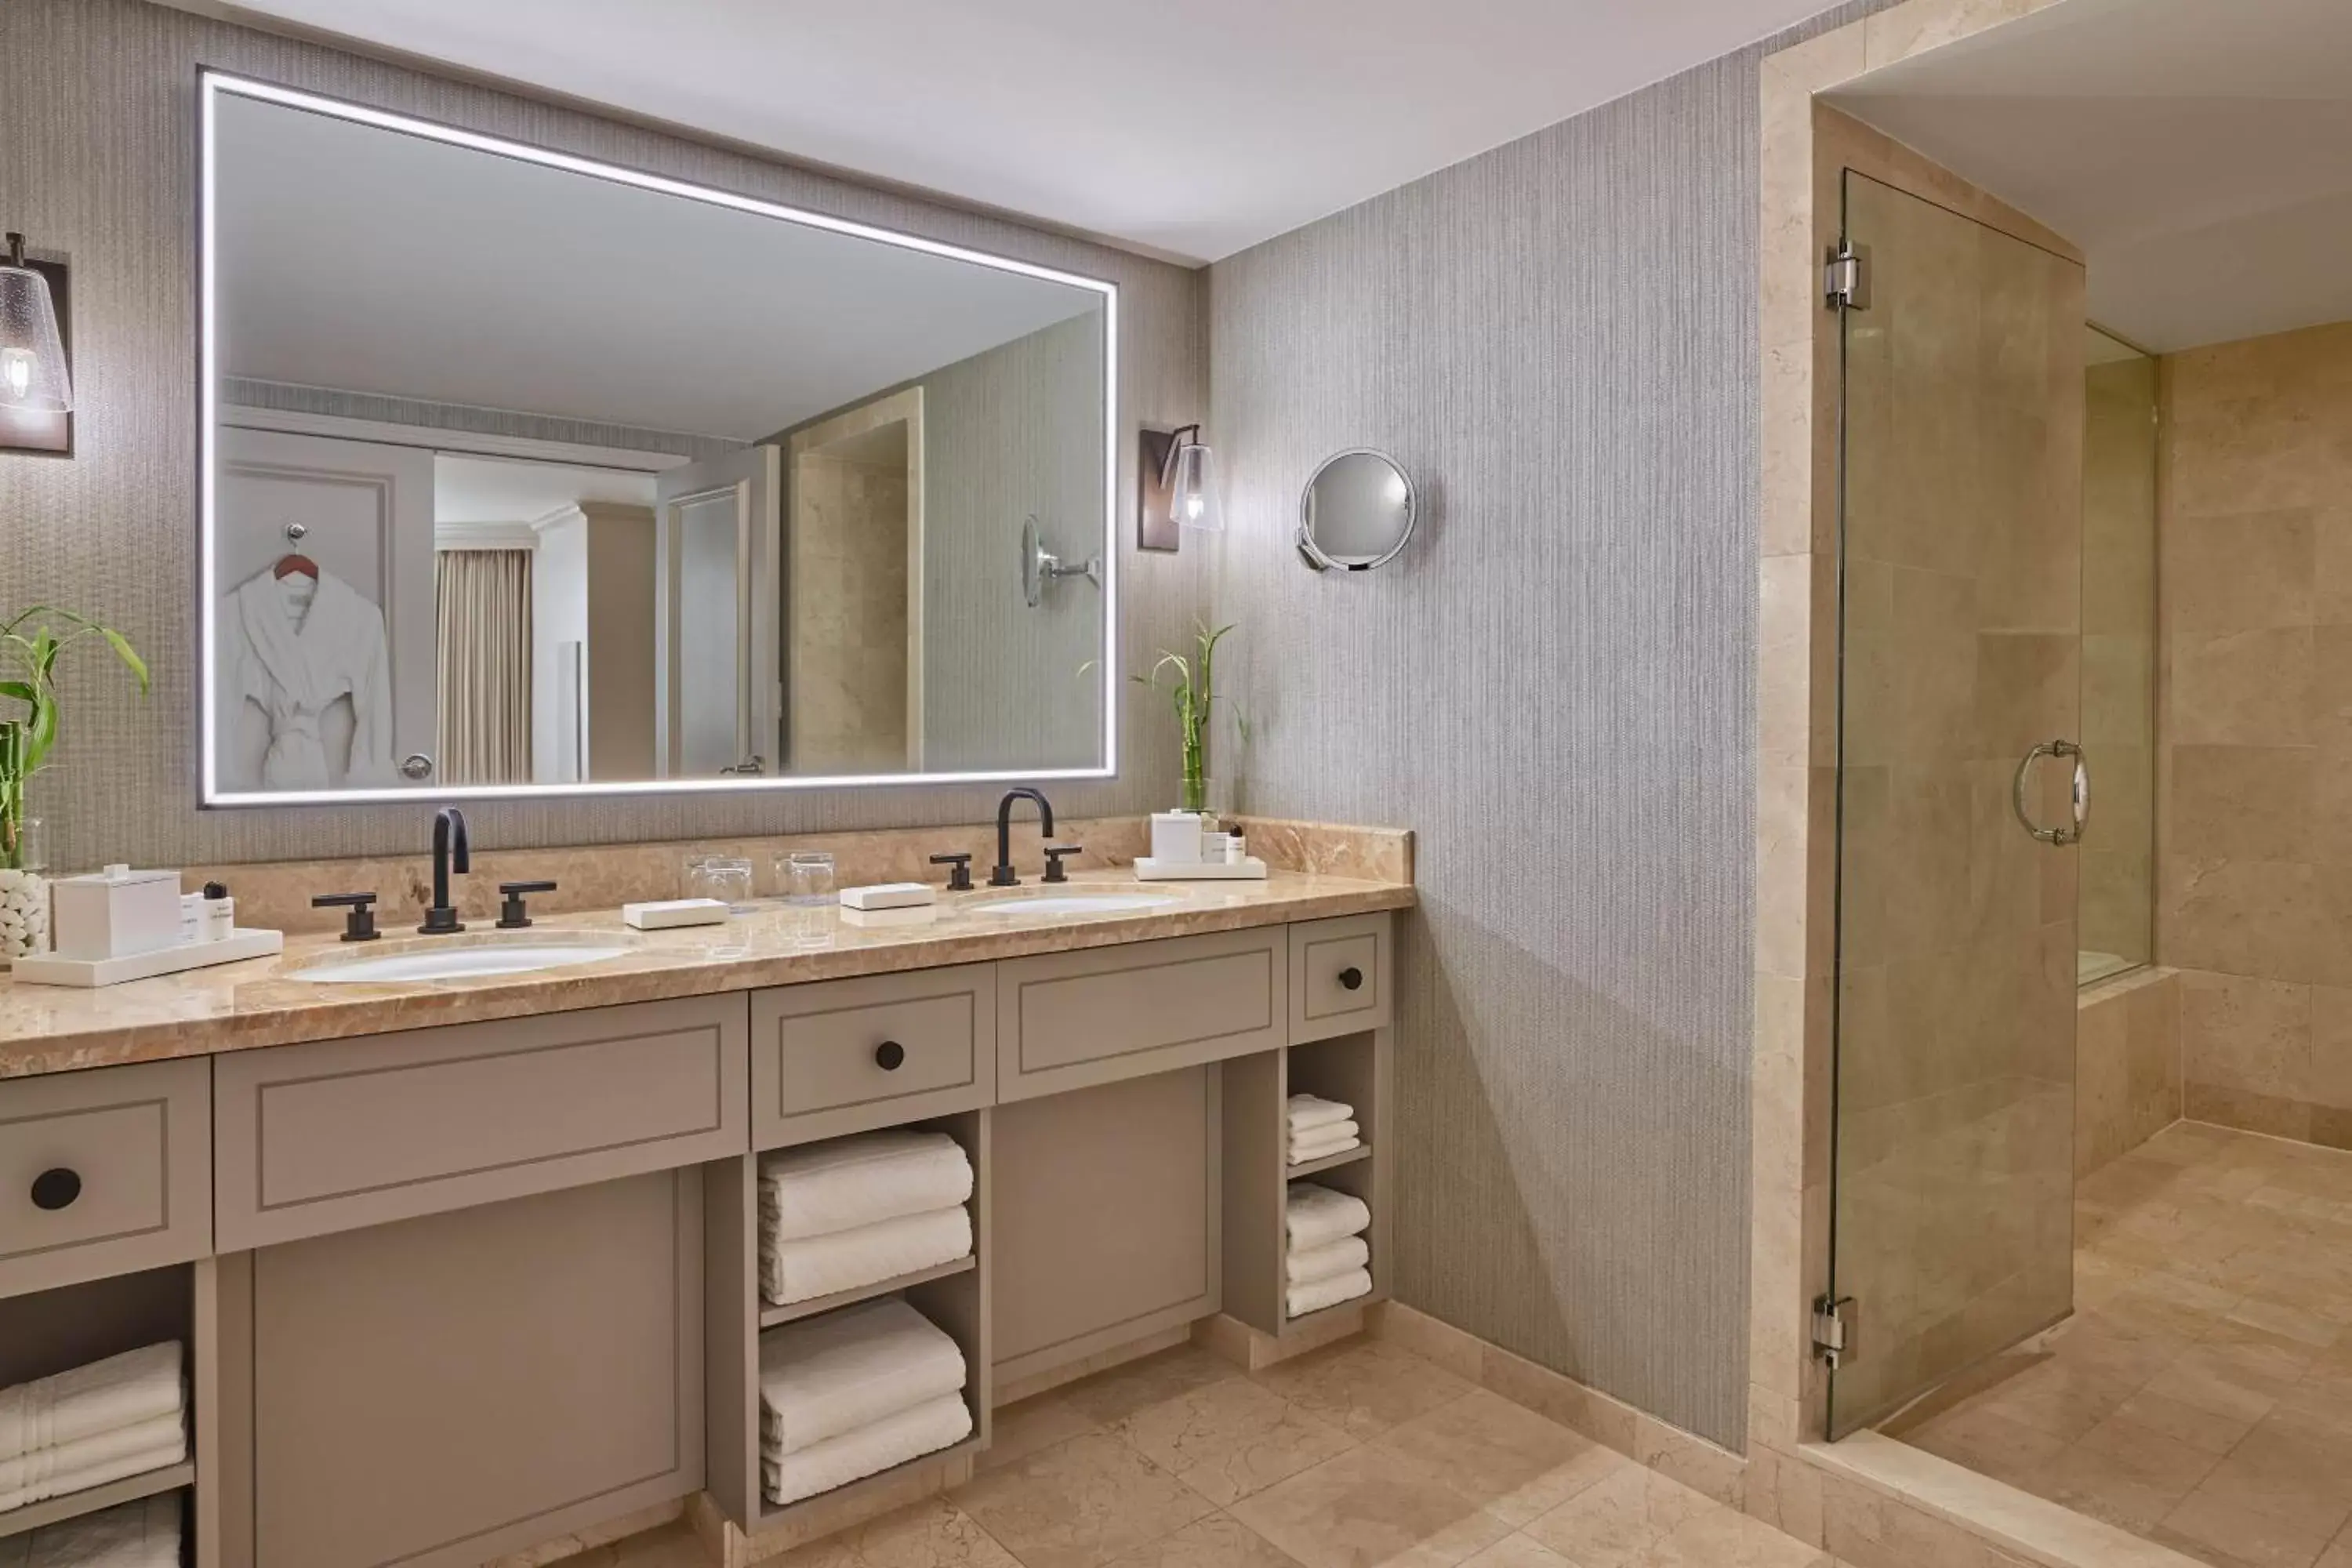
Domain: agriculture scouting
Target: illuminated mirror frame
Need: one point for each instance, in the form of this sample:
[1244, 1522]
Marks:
[212, 86]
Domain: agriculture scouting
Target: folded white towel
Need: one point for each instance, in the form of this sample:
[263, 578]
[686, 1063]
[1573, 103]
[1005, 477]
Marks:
[930, 1426]
[137, 1463]
[28, 1471]
[825, 1376]
[142, 1534]
[1301, 1300]
[1316, 1216]
[821, 1188]
[819, 1265]
[1332, 1139]
[1327, 1262]
[120, 1391]
[1306, 1110]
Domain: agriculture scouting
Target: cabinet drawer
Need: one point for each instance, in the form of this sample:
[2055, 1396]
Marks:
[137, 1143]
[821, 1053]
[1071, 1020]
[1338, 975]
[345, 1133]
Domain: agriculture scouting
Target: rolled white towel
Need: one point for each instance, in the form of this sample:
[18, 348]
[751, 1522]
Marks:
[822, 1188]
[1315, 1215]
[843, 1261]
[1300, 1299]
[120, 1391]
[142, 1534]
[1307, 1111]
[1336, 1139]
[1342, 1256]
[122, 1466]
[26, 1471]
[930, 1426]
[825, 1376]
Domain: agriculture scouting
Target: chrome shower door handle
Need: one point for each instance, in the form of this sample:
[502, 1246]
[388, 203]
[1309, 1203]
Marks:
[2080, 795]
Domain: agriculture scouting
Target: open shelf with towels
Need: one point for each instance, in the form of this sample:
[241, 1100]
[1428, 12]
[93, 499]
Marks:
[951, 1295]
[44, 1333]
[1350, 1069]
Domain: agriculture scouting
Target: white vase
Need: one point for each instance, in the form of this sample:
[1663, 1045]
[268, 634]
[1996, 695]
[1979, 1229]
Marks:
[23, 914]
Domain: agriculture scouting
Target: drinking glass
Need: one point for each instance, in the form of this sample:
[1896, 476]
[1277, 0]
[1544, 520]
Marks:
[727, 878]
[805, 876]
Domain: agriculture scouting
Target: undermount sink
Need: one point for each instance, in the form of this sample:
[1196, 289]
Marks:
[1073, 904]
[473, 960]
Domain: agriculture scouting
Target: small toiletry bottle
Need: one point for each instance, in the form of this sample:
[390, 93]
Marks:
[219, 913]
[1236, 850]
[191, 917]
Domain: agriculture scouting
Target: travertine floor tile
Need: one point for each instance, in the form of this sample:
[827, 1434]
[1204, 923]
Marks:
[1230, 1438]
[1109, 1396]
[671, 1546]
[1370, 1507]
[1619, 1521]
[2202, 1394]
[1503, 1457]
[1219, 1541]
[1516, 1552]
[1080, 1503]
[1363, 1387]
[1021, 1430]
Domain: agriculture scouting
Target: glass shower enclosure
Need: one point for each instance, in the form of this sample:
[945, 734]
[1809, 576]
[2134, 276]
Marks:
[1961, 797]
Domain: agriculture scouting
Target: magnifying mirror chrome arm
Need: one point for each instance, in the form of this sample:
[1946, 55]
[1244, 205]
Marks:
[1040, 565]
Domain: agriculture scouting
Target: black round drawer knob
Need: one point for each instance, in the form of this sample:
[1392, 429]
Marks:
[889, 1055]
[55, 1189]
[1351, 979]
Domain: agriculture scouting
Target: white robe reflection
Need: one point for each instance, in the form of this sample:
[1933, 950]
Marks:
[292, 648]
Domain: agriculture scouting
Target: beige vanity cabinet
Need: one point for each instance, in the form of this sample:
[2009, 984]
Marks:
[1072, 1020]
[104, 1172]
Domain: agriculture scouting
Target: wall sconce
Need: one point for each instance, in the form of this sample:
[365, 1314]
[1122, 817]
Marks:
[35, 387]
[1176, 481]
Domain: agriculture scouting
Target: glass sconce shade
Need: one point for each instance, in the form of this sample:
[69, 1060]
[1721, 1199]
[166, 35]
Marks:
[1193, 489]
[32, 358]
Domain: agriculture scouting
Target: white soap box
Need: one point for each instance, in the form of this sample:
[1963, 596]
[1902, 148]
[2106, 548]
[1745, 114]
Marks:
[669, 915]
[114, 913]
[888, 896]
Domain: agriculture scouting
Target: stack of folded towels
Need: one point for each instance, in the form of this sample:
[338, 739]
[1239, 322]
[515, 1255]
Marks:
[852, 1392]
[143, 1535]
[111, 1419]
[1321, 1128]
[856, 1211]
[1328, 1260]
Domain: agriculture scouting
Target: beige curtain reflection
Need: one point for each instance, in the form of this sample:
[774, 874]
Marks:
[484, 600]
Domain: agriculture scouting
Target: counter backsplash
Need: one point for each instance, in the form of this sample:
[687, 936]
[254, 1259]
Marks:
[275, 895]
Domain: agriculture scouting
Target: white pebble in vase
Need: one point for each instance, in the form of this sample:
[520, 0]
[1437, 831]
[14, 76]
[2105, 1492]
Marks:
[23, 914]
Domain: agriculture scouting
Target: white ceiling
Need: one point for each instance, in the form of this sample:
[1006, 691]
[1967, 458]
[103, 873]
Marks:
[368, 260]
[1191, 130]
[2198, 151]
[468, 489]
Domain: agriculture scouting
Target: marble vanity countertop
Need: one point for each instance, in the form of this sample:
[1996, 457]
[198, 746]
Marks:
[236, 1006]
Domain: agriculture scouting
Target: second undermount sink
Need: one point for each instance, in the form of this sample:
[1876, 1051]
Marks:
[471, 961]
[1073, 904]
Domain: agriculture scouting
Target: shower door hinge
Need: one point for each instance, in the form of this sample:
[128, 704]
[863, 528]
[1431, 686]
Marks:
[1845, 281]
[1833, 1328]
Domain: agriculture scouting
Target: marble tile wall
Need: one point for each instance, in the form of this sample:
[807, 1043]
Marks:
[2254, 900]
[2119, 434]
[2126, 1066]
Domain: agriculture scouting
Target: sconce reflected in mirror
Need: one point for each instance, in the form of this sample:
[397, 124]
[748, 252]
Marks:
[1176, 484]
[36, 386]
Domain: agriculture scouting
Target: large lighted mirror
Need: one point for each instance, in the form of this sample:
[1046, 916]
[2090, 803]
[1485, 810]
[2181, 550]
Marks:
[524, 474]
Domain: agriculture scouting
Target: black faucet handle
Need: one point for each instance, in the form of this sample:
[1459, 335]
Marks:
[958, 879]
[359, 923]
[1055, 853]
[512, 914]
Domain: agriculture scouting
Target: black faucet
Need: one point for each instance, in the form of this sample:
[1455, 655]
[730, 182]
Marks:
[450, 853]
[1002, 877]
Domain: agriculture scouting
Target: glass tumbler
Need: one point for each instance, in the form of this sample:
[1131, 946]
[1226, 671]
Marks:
[727, 878]
[806, 877]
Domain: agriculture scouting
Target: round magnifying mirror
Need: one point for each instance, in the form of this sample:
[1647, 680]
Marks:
[1357, 513]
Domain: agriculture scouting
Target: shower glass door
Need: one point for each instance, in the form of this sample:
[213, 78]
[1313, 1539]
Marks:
[1959, 697]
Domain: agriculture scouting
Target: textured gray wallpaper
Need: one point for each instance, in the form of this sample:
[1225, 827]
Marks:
[1554, 687]
[97, 160]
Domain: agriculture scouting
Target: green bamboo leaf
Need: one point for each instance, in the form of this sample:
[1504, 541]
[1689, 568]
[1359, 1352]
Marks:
[127, 654]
